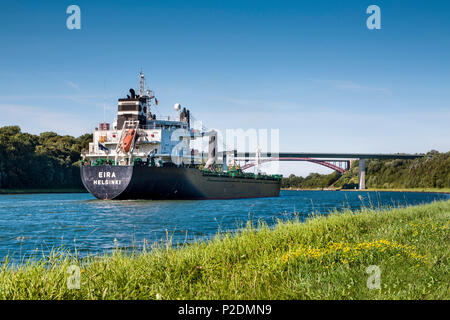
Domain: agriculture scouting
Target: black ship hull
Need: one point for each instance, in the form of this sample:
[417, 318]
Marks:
[159, 183]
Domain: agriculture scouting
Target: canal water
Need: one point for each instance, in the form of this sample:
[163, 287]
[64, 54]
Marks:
[32, 224]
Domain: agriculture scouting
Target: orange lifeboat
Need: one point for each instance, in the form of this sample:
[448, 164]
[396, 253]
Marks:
[126, 143]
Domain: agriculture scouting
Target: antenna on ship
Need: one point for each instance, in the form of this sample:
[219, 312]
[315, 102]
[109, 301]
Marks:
[147, 94]
[104, 101]
[141, 84]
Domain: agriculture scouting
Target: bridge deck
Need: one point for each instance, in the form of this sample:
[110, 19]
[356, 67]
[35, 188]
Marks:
[317, 155]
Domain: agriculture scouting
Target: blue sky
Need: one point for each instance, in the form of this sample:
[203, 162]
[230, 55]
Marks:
[311, 69]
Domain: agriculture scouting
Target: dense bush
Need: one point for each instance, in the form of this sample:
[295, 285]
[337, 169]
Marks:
[314, 180]
[45, 161]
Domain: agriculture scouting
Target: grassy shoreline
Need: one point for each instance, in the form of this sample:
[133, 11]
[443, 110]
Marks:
[422, 190]
[322, 258]
[429, 190]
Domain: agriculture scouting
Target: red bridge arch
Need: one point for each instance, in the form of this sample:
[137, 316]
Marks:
[325, 163]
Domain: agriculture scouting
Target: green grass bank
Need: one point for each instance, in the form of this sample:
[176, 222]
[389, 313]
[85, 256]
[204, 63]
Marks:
[323, 258]
[433, 190]
[430, 190]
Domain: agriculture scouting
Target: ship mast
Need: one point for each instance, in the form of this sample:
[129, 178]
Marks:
[147, 94]
[141, 84]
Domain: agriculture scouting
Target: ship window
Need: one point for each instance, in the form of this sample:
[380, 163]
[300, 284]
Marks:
[128, 107]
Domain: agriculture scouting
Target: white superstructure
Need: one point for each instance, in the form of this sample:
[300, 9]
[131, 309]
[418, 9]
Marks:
[138, 134]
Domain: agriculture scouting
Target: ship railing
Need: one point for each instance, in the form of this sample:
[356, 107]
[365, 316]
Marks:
[148, 126]
[166, 118]
[241, 175]
[130, 124]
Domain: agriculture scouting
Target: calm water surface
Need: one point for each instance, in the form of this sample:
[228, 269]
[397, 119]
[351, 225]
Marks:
[32, 224]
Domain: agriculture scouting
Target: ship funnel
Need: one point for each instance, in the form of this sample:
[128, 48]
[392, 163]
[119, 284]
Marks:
[133, 93]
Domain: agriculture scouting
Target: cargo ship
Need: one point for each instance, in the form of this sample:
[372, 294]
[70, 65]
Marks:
[142, 156]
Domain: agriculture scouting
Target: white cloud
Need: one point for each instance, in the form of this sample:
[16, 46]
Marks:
[352, 86]
[356, 87]
[73, 85]
[266, 105]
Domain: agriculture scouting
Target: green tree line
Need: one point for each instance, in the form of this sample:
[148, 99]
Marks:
[430, 171]
[47, 160]
[52, 161]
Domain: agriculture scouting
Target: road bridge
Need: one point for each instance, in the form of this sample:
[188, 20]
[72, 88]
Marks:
[339, 162]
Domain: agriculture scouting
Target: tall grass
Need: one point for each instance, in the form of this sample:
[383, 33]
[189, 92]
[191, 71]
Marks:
[322, 258]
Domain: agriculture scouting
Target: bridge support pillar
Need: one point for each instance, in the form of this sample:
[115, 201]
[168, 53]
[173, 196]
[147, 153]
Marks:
[362, 174]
